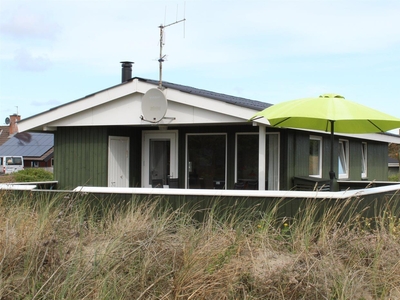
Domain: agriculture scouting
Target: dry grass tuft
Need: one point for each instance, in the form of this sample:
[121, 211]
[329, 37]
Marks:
[58, 247]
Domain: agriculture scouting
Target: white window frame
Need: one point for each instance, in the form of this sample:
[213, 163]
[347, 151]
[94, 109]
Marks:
[343, 159]
[147, 136]
[364, 160]
[318, 138]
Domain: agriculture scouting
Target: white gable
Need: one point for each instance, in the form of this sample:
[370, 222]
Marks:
[121, 105]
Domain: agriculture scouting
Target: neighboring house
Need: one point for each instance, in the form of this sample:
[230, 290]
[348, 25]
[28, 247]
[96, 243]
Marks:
[36, 148]
[393, 165]
[130, 136]
[4, 134]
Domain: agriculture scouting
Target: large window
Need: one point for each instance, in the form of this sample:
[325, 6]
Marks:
[206, 161]
[343, 159]
[247, 161]
[315, 157]
[364, 159]
[13, 161]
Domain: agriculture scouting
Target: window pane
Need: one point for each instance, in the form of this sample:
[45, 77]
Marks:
[159, 164]
[206, 161]
[314, 157]
[343, 159]
[14, 161]
[247, 157]
[364, 160]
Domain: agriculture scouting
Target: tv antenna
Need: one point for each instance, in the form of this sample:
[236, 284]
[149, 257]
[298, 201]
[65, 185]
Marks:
[162, 57]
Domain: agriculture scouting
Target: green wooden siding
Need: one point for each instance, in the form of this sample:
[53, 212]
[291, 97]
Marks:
[84, 155]
[80, 156]
[301, 149]
[377, 161]
[354, 160]
[297, 152]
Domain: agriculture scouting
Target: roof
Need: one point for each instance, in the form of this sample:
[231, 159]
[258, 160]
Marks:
[238, 101]
[28, 144]
[229, 109]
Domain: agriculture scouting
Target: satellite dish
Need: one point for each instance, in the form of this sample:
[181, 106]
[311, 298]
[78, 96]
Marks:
[7, 120]
[154, 105]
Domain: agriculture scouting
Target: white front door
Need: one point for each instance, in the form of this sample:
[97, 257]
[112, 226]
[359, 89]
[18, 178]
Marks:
[160, 158]
[118, 161]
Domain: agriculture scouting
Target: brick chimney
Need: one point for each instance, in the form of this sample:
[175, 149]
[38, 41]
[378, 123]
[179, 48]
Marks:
[126, 70]
[13, 123]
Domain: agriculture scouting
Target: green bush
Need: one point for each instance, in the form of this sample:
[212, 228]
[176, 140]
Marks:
[32, 175]
[394, 177]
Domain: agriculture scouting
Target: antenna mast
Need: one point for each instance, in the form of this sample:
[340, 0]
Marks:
[161, 59]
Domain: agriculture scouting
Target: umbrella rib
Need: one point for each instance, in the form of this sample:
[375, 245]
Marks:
[375, 125]
[282, 121]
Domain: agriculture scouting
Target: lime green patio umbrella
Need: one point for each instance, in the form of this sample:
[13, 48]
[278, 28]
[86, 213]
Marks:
[331, 113]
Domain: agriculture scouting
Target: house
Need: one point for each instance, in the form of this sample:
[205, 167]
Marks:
[10, 129]
[144, 133]
[37, 148]
[393, 165]
[4, 134]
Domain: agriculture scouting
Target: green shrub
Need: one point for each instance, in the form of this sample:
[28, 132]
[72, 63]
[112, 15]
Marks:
[32, 175]
[394, 177]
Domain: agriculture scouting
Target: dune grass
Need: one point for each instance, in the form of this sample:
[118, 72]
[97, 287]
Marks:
[72, 247]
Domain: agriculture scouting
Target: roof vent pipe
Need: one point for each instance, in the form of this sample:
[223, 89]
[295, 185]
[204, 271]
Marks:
[126, 70]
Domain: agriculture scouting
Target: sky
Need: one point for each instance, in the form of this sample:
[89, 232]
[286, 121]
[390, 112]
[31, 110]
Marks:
[56, 51]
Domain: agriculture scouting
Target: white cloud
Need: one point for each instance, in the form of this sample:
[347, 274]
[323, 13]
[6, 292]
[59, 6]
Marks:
[273, 50]
[27, 62]
[26, 22]
[48, 103]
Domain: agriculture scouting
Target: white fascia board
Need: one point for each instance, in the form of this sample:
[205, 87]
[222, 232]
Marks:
[379, 137]
[122, 111]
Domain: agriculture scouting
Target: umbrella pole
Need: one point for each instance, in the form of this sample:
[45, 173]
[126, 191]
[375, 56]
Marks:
[331, 172]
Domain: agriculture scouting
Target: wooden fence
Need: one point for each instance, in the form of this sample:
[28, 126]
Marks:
[366, 202]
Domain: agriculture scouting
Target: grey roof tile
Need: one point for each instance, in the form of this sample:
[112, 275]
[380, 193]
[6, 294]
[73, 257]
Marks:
[29, 144]
[239, 101]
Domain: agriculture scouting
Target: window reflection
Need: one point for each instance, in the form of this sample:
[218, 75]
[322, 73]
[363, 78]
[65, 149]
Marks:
[206, 161]
[314, 161]
[247, 157]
